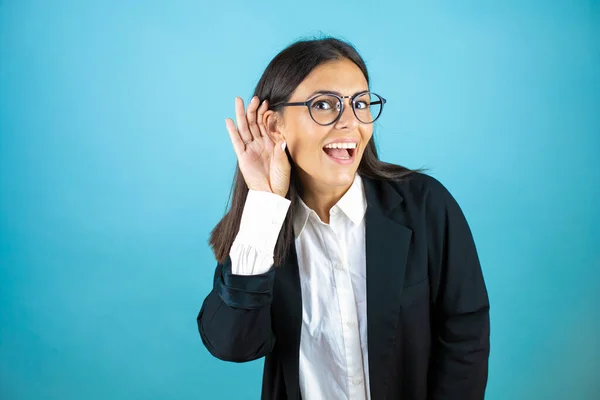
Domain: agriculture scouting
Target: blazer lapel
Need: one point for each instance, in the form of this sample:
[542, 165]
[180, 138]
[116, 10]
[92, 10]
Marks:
[387, 244]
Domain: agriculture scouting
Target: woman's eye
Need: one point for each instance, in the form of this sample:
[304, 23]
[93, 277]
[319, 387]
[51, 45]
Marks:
[322, 105]
[361, 105]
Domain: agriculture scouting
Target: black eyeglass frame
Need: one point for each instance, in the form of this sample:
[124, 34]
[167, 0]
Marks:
[309, 102]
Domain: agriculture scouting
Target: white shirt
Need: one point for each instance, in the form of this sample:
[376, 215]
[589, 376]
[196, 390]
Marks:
[332, 269]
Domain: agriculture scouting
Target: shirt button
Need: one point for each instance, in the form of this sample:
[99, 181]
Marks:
[356, 381]
[351, 324]
[339, 267]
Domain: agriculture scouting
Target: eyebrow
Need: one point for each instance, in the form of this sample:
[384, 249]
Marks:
[333, 92]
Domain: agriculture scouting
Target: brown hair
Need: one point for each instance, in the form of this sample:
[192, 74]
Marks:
[281, 77]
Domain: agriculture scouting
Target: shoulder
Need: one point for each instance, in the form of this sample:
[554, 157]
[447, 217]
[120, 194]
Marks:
[417, 196]
[428, 200]
[421, 189]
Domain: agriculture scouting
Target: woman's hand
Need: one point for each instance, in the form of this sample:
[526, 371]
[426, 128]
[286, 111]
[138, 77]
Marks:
[262, 160]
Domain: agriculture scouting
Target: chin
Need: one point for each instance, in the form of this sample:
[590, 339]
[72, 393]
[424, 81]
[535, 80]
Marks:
[336, 176]
[339, 178]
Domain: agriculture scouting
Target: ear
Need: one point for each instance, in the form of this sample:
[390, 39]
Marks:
[273, 124]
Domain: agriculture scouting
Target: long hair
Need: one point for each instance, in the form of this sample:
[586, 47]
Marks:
[281, 77]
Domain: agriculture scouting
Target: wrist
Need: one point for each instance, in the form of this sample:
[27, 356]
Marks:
[260, 189]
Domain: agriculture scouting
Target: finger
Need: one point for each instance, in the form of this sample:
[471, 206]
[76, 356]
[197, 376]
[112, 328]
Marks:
[236, 140]
[260, 115]
[279, 150]
[280, 159]
[240, 119]
[251, 117]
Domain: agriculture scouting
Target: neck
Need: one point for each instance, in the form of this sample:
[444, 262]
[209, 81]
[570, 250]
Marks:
[320, 197]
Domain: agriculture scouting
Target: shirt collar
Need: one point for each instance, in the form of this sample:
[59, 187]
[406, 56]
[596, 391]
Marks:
[353, 204]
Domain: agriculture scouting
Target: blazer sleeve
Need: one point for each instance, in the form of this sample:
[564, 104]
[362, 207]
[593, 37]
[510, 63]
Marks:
[235, 319]
[460, 304]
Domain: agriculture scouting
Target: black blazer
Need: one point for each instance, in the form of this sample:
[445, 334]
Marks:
[427, 304]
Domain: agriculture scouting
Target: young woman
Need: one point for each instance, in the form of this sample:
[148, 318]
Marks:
[355, 278]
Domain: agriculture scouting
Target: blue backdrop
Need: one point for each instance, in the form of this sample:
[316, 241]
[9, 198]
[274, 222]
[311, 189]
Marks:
[115, 165]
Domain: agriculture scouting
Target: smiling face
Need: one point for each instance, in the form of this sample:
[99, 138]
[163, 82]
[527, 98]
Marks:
[327, 157]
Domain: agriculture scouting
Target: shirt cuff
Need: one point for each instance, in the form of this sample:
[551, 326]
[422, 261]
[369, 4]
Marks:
[262, 219]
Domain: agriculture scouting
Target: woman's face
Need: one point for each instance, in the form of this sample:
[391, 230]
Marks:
[322, 167]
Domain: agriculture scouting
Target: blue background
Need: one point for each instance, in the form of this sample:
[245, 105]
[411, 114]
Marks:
[115, 165]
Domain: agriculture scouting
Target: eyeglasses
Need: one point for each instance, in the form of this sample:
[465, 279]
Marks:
[327, 108]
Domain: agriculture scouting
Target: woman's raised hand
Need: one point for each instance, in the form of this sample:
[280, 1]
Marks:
[262, 159]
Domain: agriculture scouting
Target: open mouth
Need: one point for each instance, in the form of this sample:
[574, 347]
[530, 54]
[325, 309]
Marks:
[342, 153]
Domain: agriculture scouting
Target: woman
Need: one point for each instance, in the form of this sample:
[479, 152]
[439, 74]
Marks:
[355, 278]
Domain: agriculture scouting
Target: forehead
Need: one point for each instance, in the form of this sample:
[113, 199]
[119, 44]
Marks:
[342, 76]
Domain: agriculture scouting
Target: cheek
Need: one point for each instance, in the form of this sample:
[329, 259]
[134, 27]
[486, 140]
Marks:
[305, 141]
[366, 136]
[304, 151]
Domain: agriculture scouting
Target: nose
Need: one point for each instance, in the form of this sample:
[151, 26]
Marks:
[347, 120]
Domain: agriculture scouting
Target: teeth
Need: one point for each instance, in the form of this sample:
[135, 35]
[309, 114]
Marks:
[344, 145]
